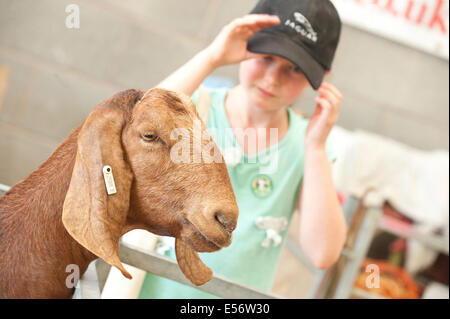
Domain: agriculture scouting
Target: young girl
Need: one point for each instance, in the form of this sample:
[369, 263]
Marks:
[280, 55]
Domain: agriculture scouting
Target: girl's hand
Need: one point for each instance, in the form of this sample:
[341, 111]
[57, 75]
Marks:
[230, 45]
[325, 116]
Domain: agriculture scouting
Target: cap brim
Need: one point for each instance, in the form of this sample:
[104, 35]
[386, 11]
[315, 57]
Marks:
[267, 43]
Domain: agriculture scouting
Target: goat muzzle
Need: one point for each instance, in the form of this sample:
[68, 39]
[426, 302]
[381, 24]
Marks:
[228, 224]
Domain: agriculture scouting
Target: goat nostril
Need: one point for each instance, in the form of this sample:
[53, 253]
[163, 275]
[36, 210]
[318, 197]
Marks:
[225, 222]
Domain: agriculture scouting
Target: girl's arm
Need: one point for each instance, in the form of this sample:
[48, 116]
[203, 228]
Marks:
[229, 47]
[189, 76]
[322, 225]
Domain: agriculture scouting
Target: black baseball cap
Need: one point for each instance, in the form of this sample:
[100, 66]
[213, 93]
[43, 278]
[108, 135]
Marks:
[307, 36]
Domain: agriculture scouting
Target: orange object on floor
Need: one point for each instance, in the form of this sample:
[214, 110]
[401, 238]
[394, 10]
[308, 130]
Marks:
[393, 282]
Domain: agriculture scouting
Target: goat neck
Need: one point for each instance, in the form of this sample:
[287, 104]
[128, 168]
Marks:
[38, 248]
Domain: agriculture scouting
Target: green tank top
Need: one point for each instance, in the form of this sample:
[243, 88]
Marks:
[266, 198]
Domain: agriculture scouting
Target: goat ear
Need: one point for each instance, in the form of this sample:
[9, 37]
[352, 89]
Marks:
[91, 216]
[191, 265]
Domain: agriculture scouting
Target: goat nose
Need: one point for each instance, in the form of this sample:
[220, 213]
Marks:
[229, 224]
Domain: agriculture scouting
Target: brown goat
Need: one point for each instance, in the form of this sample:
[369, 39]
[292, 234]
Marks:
[61, 214]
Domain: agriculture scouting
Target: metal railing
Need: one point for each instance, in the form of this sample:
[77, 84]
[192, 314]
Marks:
[93, 281]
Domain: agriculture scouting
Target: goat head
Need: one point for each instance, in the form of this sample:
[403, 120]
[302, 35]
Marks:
[192, 201]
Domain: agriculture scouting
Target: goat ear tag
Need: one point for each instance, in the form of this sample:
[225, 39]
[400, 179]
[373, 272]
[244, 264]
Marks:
[109, 180]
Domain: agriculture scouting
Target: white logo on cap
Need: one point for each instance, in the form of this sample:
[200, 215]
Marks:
[303, 26]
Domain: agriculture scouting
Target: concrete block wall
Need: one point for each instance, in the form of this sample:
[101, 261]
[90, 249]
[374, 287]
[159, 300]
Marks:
[55, 75]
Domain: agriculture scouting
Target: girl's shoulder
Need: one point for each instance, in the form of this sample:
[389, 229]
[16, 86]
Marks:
[298, 120]
[215, 94]
[299, 113]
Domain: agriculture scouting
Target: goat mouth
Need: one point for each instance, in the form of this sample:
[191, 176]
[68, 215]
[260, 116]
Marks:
[209, 242]
[212, 245]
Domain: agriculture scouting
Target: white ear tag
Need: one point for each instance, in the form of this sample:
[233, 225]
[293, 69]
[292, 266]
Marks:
[109, 180]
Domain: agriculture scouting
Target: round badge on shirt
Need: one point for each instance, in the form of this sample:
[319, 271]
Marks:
[262, 186]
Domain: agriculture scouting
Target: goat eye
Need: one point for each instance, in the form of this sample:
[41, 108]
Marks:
[149, 137]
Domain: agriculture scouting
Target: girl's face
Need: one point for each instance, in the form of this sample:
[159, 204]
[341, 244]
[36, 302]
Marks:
[271, 81]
